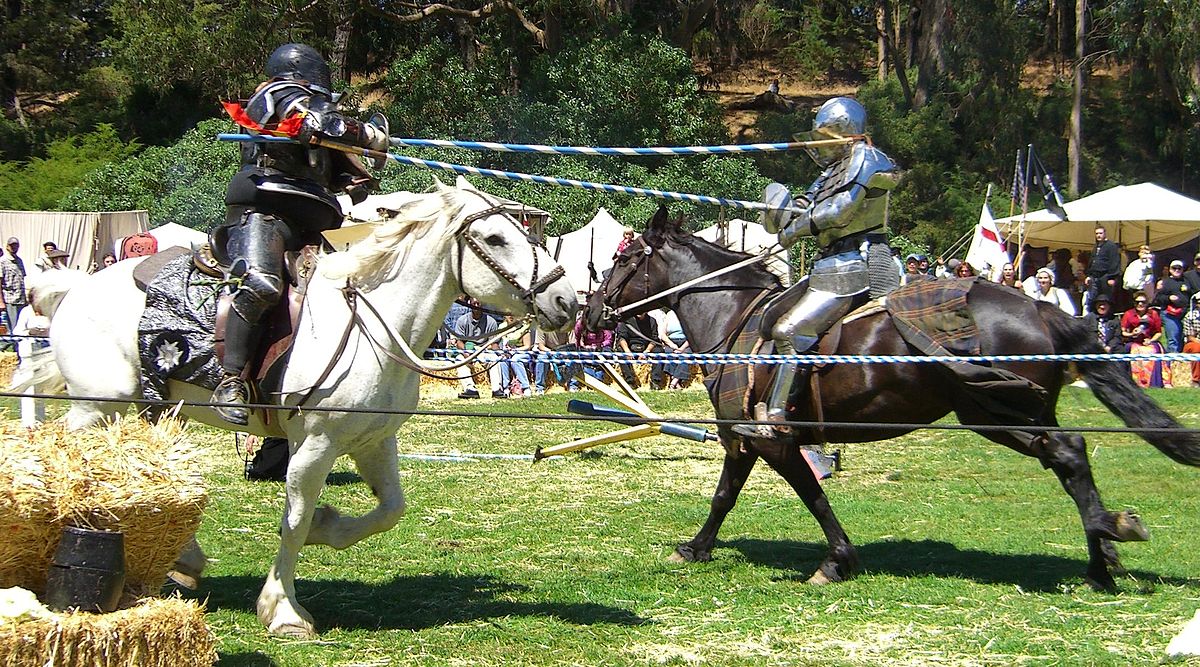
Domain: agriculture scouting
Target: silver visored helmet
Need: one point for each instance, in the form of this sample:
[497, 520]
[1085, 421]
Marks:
[301, 62]
[838, 117]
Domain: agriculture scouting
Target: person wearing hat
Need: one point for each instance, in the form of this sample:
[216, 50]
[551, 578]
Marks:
[1043, 289]
[52, 257]
[12, 282]
[1172, 297]
[1105, 323]
[913, 268]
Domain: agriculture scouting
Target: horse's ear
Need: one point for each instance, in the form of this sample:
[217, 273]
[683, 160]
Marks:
[657, 228]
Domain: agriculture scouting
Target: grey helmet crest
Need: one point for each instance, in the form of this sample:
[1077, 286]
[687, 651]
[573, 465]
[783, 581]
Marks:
[838, 117]
[301, 62]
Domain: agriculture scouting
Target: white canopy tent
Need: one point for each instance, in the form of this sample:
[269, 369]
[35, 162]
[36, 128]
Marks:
[750, 237]
[174, 234]
[595, 242]
[1132, 215]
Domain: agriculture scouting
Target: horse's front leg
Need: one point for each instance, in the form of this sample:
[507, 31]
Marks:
[277, 606]
[841, 561]
[377, 466]
[733, 477]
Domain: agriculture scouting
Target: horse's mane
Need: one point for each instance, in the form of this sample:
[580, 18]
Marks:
[378, 257]
[724, 256]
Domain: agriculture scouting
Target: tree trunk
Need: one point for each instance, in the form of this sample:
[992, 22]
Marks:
[931, 56]
[881, 27]
[911, 29]
[692, 16]
[1074, 141]
[343, 15]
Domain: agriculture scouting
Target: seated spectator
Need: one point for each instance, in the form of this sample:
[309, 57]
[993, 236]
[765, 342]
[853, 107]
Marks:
[52, 257]
[1173, 296]
[1105, 324]
[670, 332]
[639, 335]
[943, 268]
[589, 341]
[1191, 336]
[964, 270]
[471, 330]
[1043, 289]
[547, 341]
[1008, 276]
[443, 338]
[1141, 329]
[515, 355]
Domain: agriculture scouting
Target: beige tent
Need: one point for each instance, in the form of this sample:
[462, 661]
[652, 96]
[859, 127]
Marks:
[85, 236]
[595, 242]
[750, 237]
[1132, 214]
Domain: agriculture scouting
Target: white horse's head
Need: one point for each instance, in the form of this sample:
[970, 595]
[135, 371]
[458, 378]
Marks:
[495, 260]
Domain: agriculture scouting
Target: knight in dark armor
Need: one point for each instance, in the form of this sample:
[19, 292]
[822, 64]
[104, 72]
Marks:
[845, 210]
[283, 197]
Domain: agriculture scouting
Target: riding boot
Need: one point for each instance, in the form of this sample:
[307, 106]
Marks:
[775, 407]
[239, 336]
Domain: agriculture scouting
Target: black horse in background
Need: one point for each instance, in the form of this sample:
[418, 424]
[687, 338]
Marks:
[875, 395]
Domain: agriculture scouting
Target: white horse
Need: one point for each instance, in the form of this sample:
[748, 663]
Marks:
[410, 269]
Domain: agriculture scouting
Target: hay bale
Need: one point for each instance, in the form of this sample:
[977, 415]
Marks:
[8, 366]
[154, 633]
[141, 479]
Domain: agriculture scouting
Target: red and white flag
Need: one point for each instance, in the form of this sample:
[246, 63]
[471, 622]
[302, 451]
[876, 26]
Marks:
[987, 253]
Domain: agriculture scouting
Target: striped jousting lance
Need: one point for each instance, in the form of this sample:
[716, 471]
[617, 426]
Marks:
[669, 151]
[511, 175]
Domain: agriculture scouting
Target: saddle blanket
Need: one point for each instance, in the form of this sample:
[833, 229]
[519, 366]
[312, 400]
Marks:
[175, 334]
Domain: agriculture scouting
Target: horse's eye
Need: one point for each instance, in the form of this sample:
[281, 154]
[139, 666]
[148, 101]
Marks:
[495, 240]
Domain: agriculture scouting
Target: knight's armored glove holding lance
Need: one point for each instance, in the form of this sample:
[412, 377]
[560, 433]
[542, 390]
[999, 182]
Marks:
[283, 197]
[845, 210]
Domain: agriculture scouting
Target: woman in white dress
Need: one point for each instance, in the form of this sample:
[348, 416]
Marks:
[1044, 290]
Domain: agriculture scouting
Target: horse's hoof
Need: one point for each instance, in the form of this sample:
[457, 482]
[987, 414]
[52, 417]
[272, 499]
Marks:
[1101, 584]
[1130, 528]
[819, 578]
[294, 630]
[676, 557]
[685, 553]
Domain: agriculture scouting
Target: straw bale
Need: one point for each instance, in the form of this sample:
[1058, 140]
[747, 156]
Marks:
[155, 633]
[144, 480]
[8, 365]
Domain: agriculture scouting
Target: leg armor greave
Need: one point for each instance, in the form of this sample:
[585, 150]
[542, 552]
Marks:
[255, 250]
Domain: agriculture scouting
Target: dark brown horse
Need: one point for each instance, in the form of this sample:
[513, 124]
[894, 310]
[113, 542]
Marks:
[875, 395]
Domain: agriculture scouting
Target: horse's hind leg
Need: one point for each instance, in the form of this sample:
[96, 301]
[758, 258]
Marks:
[378, 468]
[1066, 455]
[841, 561]
[277, 606]
[733, 478]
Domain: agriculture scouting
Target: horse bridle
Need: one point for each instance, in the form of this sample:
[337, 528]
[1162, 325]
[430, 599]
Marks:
[528, 295]
[608, 312]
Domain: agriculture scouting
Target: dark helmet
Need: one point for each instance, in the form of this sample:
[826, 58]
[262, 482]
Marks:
[301, 62]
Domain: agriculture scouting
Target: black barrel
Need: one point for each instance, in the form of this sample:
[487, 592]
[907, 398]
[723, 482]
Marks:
[88, 571]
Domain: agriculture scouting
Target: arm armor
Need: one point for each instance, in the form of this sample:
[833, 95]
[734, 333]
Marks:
[849, 197]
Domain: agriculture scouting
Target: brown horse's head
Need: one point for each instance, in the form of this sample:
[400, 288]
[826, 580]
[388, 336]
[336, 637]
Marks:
[640, 271]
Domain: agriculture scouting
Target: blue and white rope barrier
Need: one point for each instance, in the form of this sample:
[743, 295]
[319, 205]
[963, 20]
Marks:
[580, 356]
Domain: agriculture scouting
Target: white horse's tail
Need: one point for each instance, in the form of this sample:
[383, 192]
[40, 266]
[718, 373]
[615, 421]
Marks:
[38, 370]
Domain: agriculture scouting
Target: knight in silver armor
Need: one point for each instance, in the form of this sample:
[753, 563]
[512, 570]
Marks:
[845, 210]
[282, 198]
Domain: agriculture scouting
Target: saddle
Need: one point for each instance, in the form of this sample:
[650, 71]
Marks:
[279, 324]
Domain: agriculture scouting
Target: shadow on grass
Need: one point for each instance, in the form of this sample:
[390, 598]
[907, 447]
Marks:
[907, 558]
[342, 479]
[409, 603]
[255, 659]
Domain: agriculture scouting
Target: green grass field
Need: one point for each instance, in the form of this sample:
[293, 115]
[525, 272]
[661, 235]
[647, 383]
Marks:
[972, 554]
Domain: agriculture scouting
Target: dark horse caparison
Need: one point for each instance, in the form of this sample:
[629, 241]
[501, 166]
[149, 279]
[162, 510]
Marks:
[876, 395]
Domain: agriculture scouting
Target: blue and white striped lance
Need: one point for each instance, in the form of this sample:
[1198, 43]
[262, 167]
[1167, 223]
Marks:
[669, 151]
[517, 176]
[581, 356]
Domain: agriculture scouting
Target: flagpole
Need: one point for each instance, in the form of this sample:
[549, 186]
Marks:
[1024, 213]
